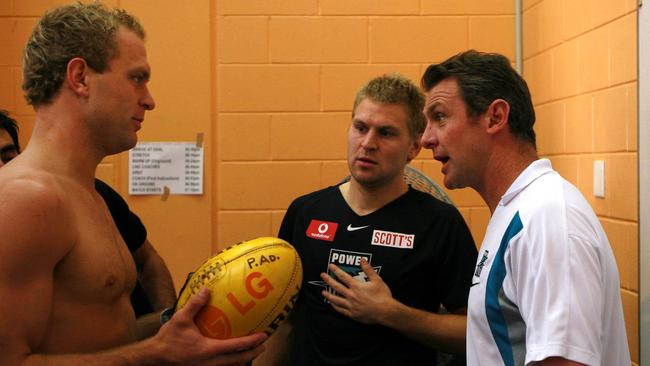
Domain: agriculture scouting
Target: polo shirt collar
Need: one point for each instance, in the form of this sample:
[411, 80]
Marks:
[535, 170]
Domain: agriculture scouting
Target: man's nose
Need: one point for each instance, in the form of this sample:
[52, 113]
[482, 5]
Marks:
[148, 102]
[369, 141]
[429, 138]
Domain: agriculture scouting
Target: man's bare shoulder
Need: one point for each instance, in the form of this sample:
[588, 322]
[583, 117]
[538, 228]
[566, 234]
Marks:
[37, 234]
[34, 210]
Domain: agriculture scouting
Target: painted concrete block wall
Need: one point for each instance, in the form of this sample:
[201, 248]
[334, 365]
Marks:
[287, 73]
[580, 60]
[270, 85]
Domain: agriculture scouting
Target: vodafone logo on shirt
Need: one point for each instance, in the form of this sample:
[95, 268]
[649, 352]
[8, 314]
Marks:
[322, 230]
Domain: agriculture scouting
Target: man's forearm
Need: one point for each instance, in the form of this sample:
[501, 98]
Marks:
[147, 325]
[444, 332]
[155, 278]
[278, 347]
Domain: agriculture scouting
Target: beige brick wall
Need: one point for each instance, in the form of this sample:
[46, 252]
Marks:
[580, 61]
[287, 72]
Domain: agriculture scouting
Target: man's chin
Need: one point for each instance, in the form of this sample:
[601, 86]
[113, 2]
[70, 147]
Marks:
[365, 179]
[125, 146]
[449, 182]
[372, 181]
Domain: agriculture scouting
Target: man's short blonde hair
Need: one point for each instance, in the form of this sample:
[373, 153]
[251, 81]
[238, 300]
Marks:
[396, 89]
[63, 33]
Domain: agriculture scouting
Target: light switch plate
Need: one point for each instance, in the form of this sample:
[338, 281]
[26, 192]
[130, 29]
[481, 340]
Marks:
[599, 178]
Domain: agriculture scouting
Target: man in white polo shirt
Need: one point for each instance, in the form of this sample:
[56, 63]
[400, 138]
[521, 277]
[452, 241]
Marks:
[545, 289]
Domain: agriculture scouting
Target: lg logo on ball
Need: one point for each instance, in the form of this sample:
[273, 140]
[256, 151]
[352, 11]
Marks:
[256, 285]
[258, 290]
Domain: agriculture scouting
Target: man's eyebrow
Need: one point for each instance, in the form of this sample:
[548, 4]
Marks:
[429, 108]
[143, 72]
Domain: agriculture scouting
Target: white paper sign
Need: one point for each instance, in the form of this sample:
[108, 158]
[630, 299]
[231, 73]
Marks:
[176, 165]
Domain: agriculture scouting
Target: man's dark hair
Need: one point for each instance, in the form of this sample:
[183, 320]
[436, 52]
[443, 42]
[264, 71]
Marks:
[482, 78]
[9, 124]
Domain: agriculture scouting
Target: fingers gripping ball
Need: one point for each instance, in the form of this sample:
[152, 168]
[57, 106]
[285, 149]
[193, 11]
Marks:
[254, 286]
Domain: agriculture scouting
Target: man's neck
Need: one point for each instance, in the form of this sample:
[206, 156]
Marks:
[503, 170]
[364, 200]
[60, 144]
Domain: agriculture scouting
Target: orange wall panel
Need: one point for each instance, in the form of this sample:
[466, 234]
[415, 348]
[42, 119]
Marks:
[611, 111]
[564, 77]
[538, 72]
[237, 226]
[20, 104]
[276, 221]
[244, 136]
[370, 7]
[567, 166]
[551, 19]
[5, 8]
[579, 124]
[340, 83]
[622, 40]
[333, 172]
[530, 29]
[467, 7]
[549, 128]
[632, 117]
[14, 32]
[275, 7]
[322, 136]
[593, 60]
[606, 10]
[258, 186]
[268, 88]
[318, 39]
[417, 39]
[622, 177]
[624, 238]
[243, 39]
[578, 15]
[481, 40]
[631, 311]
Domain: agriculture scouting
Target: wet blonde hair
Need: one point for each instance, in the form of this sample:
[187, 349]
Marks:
[63, 33]
[396, 89]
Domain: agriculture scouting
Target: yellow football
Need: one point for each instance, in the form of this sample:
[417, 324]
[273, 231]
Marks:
[254, 286]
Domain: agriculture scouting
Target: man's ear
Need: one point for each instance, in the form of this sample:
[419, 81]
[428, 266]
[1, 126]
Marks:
[497, 114]
[416, 146]
[76, 76]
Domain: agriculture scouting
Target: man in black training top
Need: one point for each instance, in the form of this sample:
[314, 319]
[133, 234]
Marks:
[379, 257]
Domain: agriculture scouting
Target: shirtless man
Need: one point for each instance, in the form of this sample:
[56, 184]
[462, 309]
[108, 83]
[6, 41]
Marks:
[65, 274]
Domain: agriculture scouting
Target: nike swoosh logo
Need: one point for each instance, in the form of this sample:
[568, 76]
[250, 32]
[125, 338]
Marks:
[474, 284]
[352, 228]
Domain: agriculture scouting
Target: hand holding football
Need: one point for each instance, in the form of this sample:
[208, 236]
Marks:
[254, 286]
